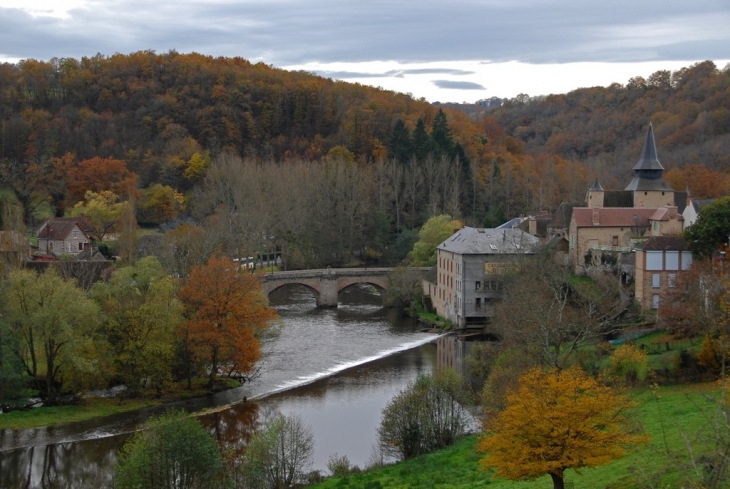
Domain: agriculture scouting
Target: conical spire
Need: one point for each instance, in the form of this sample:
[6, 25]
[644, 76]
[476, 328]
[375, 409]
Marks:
[649, 160]
[596, 186]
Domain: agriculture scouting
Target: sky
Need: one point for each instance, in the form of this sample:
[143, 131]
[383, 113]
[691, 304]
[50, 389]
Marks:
[441, 50]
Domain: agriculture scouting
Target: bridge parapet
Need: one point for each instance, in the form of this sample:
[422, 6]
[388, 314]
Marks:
[327, 283]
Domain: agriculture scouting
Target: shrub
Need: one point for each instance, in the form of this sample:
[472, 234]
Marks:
[427, 415]
[628, 364]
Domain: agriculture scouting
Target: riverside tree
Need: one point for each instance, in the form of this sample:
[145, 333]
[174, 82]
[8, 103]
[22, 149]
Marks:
[54, 325]
[142, 314]
[427, 415]
[226, 311]
[173, 450]
[279, 455]
[557, 420]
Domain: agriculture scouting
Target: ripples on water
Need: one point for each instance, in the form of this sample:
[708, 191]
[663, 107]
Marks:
[335, 368]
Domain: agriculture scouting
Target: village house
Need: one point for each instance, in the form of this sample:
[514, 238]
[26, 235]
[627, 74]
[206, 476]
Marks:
[470, 269]
[64, 236]
[693, 209]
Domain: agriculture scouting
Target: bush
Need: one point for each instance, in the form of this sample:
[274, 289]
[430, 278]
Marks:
[628, 364]
[427, 415]
[280, 454]
[172, 451]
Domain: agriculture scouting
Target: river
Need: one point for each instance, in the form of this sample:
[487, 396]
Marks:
[335, 368]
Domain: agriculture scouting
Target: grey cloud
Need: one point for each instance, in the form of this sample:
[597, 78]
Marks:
[287, 32]
[458, 85]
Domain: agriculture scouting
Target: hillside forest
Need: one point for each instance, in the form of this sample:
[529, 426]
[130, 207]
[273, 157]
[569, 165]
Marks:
[258, 159]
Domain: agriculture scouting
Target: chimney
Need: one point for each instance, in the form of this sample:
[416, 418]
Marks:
[672, 212]
[595, 216]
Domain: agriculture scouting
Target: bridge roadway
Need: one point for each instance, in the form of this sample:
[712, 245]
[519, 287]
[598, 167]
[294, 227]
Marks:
[327, 283]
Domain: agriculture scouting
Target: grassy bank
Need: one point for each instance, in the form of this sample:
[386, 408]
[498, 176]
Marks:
[97, 407]
[668, 414]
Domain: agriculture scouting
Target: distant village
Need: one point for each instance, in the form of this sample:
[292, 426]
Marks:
[633, 233]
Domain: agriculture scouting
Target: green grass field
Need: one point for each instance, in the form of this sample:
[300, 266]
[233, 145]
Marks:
[668, 414]
[97, 407]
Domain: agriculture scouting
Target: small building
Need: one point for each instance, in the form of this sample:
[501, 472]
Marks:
[659, 260]
[693, 209]
[64, 236]
[470, 270]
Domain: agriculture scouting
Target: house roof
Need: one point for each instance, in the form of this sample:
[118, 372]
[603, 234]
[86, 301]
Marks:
[662, 214]
[698, 204]
[664, 243]
[61, 227]
[612, 216]
[481, 241]
[562, 216]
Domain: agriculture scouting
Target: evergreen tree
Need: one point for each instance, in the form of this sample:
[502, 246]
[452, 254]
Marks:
[400, 145]
[442, 135]
[422, 142]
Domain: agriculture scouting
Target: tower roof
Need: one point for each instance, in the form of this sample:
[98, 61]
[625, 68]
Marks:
[649, 160]
[596, 186]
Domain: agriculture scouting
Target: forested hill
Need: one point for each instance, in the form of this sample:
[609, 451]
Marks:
[604, 126]
[148, 108]
[152, 125]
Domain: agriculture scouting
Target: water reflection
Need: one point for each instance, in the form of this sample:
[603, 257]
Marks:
[333, 368]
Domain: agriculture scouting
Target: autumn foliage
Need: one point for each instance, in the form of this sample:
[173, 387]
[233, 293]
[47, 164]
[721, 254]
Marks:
[554, 421]
[227, 310]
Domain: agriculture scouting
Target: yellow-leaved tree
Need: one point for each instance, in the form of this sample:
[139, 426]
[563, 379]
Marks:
[557, 420]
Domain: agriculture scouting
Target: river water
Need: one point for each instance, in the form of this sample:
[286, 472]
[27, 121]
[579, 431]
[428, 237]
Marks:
[335, 368]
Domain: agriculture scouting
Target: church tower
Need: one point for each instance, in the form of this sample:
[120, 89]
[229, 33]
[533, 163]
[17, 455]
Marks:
[648, 185]
[594, 196]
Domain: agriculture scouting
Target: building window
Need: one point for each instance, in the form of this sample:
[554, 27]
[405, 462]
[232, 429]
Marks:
[76, 233]
[671, 278]
[654, 260]
[655, 225]
[671, 260]
[479, 303]
[478, 285]
[686, 260]
[655, 301]
[655, 281]
[81, 246]
[614, 241]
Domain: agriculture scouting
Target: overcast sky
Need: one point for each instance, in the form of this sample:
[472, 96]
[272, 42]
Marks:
[445, 50]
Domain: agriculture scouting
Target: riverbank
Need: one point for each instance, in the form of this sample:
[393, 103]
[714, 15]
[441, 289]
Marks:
[98, 407]
[669, 414]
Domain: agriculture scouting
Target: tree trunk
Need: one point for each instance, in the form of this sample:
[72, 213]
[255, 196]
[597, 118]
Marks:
[558, 482]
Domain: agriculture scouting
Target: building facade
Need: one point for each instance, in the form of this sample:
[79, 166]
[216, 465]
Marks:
[659, 261]
[470, 270]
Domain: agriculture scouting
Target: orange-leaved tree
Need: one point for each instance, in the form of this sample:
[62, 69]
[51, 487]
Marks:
[557, 420]
[226, 309]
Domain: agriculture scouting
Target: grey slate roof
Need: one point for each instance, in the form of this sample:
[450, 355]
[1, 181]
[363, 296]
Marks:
[698, 204]
[596, 186]
[649, 160]
[648, 171]
[483, 241]
[663, 243]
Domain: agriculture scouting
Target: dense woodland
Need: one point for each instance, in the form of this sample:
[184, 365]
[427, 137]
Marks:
[331, 170]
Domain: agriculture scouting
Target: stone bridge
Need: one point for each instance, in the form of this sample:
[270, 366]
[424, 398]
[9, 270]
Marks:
[327, 283]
